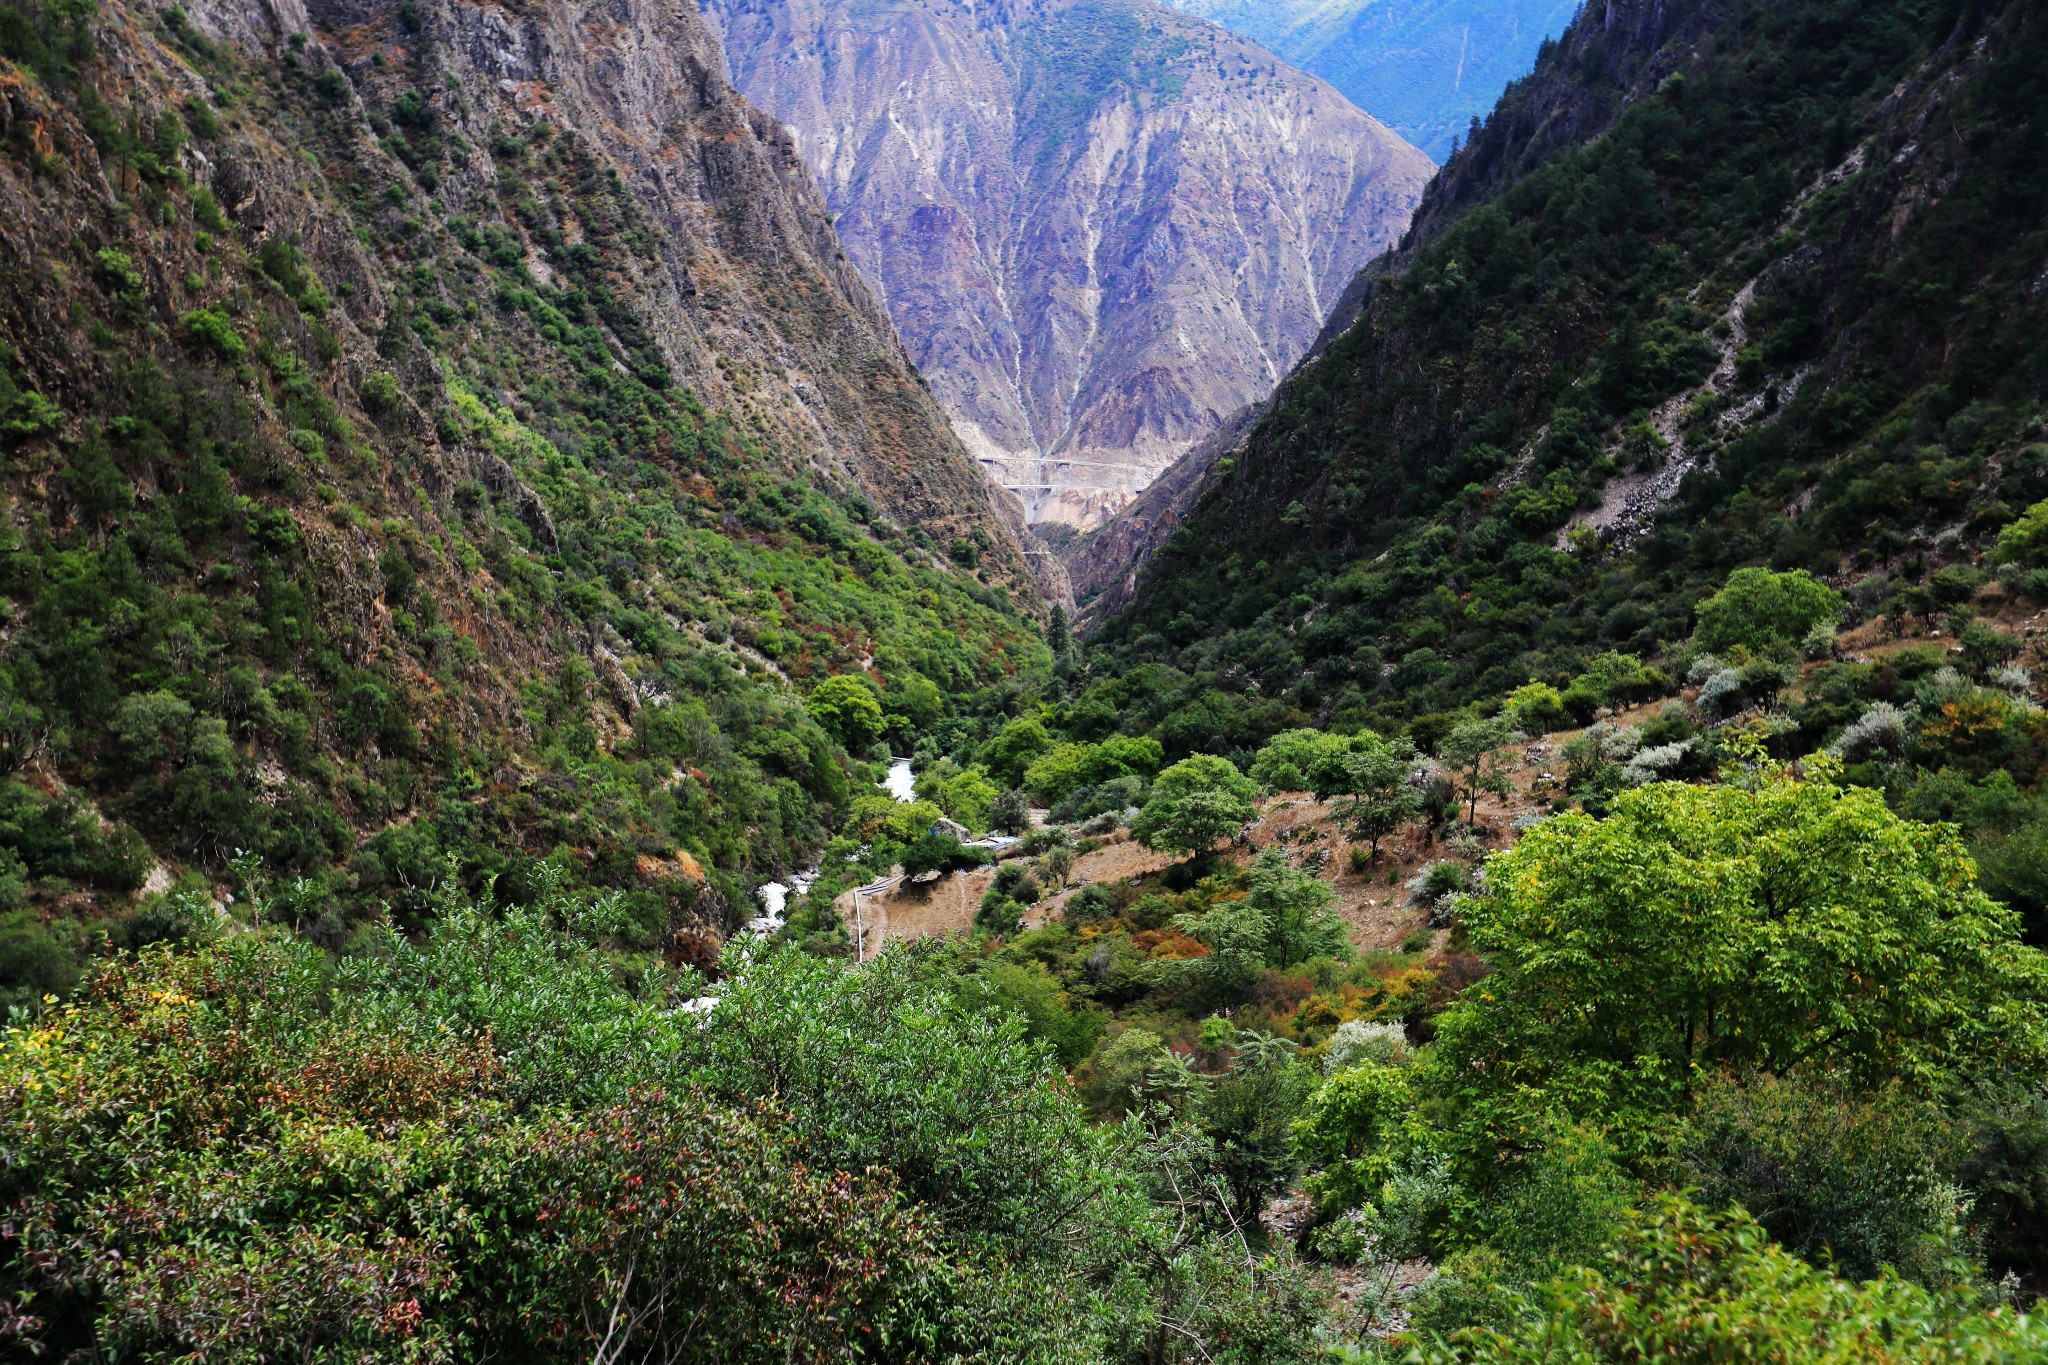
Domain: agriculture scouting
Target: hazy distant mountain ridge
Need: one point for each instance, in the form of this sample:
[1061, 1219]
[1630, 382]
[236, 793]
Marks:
[1425, 68]
[1101, 227]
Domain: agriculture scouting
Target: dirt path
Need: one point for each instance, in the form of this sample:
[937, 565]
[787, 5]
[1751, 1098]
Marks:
[907, 910]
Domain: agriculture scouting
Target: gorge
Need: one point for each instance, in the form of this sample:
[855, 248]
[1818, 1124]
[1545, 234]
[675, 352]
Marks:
[551, 811]
[1102, 226]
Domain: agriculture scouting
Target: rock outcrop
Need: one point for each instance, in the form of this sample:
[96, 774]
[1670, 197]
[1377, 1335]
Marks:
[1101, 228]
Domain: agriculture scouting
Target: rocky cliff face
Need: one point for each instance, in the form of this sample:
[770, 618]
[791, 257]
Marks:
[748, 294]
[462, 438]
[1100, 225]
[1424, 67]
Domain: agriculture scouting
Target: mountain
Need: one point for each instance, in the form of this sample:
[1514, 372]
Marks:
[438, 440]
[1717, 285]
[1426, 68]
[1101, 226]
[1563, 104]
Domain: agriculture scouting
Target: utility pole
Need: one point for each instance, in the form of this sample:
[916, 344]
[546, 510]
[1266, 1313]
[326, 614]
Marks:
[859, 934]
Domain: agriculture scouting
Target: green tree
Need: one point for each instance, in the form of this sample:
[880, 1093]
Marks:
[1352, 1131]
[1760, 608]
[1475, 754]
[1372, 777]
[965, 794]
[1010, 752]
[1238, 933]
[935, 852]
[1289, 760]
[914, 703]
[1249, 1113]
[1297, 906]
[2025, 540]
[1194, 803]
[1798, 923]
[1066, 768]
[1535, 707]
[1010, 812]
[846, 706]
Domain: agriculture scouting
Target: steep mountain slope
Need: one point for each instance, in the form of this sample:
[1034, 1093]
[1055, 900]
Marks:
[1784, 310]
[1426, 68]
[436, 435]
[1101, 226]
[1593, 74]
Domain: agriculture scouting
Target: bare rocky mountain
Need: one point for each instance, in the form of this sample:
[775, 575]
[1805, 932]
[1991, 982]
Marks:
[1101, 226]
[1426, 67]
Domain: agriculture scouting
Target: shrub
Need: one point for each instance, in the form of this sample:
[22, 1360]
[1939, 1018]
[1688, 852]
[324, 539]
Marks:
[1089, 903]
[1656, 764]
[1852, 1183]
[1357, 1040]
[1882, 732]
[1721, 695]
[1048, 1011]
[213, 331]
[117, 268]
[1445, 877]
[1760, 609]
[1819, 641]
[1114, 797]
[1044, 839]
[380, 393]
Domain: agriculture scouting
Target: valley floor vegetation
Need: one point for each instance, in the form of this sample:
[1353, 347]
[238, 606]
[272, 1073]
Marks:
[1742, 1063]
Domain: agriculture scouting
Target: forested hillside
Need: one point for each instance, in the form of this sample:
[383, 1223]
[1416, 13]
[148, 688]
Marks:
[417, 468]
[1782, 311]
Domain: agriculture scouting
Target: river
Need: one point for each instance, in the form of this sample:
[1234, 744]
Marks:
[775, 895]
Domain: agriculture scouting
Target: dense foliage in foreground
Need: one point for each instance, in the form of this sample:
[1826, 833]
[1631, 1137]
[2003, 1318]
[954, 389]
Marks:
[1773, 992]
[485, 1142]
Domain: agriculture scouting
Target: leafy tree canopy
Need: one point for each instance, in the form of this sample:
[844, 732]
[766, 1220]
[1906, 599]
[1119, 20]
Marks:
[1194, 803]
[1758, 608]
